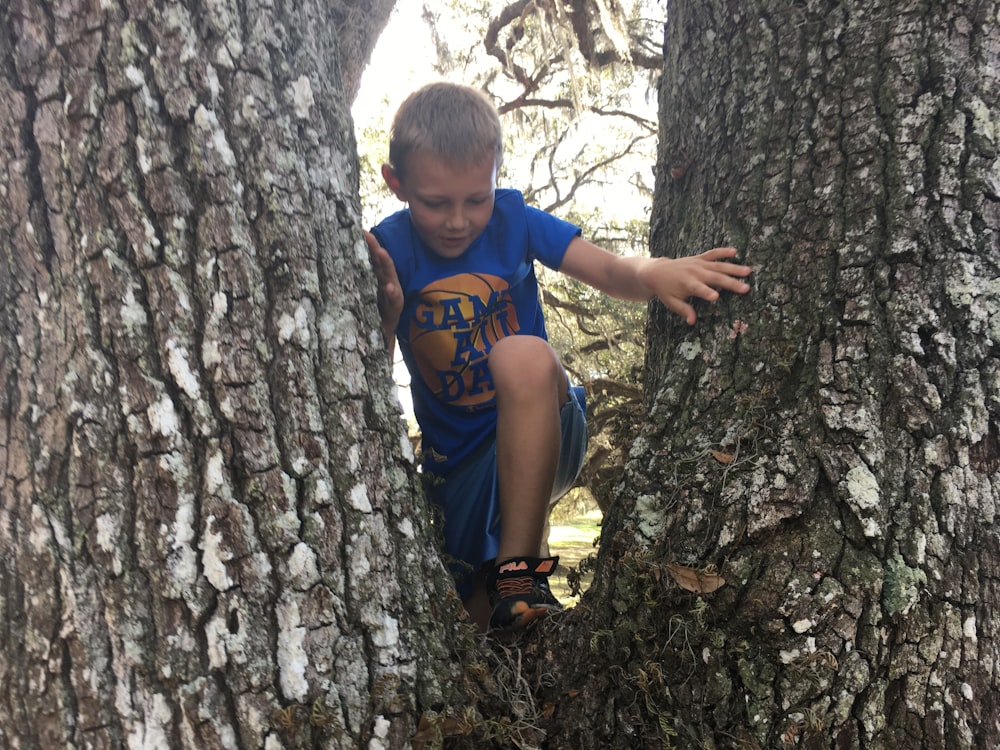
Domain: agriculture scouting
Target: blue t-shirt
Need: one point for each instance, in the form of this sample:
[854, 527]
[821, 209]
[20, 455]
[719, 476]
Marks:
[456, 309]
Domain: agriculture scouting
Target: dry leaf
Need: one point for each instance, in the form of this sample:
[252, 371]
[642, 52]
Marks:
[427, 731]
[424, 733]
[698, 581]
[723, 458]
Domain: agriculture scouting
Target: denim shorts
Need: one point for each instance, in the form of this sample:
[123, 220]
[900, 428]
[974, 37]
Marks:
[469, 500]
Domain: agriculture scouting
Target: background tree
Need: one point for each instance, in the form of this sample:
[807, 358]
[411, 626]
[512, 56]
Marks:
[208, 526]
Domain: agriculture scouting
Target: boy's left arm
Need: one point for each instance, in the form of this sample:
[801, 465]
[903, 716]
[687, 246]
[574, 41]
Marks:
[673, 280]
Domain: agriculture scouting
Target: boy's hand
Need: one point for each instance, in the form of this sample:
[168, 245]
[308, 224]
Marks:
[676, 280]
[390, 294]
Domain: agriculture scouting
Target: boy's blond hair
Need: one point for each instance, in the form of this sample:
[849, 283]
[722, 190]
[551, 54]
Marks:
[448, 121]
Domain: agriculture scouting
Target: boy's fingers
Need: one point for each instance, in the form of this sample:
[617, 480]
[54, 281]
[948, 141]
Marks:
[733, 284]
[681, 308]
[720, 252]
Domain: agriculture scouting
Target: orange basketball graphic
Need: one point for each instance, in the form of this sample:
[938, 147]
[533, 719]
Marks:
[455, 325]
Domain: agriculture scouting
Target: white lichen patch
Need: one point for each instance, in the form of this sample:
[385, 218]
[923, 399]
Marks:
[142, 155]
[214, 557]
[862, 492]
[134, 76]
[969, 629]
[354, 458]
[322, 493]
[405, 527]
[294, 327]
[385, 634]
[688, 350]
[794, 654]
[248, 109]
[215, 639]
[210, 353]
[380, 734]
[359, 498]
[406, 447]
[862, 487]
[214, 86]
[292, 658]
[133, 315]
[302, 97]
[153, 241]
[301, 568]
[224, 645]
[214, 473]
[640, 446]
[108, 535]
[177, 362]
[983, 121]
[206, 120]
[649, 516]
[967, 692]
[301, 465]
[183, 565]
[358, 554]
[339, 329]
[162, 416]
[975, 421]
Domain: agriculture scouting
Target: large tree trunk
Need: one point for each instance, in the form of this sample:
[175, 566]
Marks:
[830, 443]
[209, 534]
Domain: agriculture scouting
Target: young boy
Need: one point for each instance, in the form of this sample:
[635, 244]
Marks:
[503, 432]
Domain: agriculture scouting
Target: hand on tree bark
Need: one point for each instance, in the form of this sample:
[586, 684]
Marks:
[676, 280]
[390, 294]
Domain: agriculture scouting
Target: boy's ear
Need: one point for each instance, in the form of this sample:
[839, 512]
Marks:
[392, 181]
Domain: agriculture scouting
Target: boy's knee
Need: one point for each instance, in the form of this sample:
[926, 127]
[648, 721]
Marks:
[524, 359]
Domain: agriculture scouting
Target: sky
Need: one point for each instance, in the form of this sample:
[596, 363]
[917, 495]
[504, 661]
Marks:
[401, 61]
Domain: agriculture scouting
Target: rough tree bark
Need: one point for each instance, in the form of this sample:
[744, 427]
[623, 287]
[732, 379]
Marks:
[208, 533]
[829, 444]
[210, 536]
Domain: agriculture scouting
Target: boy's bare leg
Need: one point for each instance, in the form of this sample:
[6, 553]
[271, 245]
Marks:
[530, 388]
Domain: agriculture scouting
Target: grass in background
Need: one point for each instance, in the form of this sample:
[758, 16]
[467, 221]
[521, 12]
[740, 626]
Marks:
[573, 538]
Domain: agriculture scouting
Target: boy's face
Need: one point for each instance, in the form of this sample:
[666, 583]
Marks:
[449, 206]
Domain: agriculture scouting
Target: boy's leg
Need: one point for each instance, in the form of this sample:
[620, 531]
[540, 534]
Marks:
[531, 387]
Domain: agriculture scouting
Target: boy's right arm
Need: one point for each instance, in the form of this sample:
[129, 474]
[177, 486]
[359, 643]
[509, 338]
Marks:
[673, 280]
[390, 293]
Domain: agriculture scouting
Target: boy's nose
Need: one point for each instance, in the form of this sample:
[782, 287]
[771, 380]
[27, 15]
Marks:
[456, 220]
